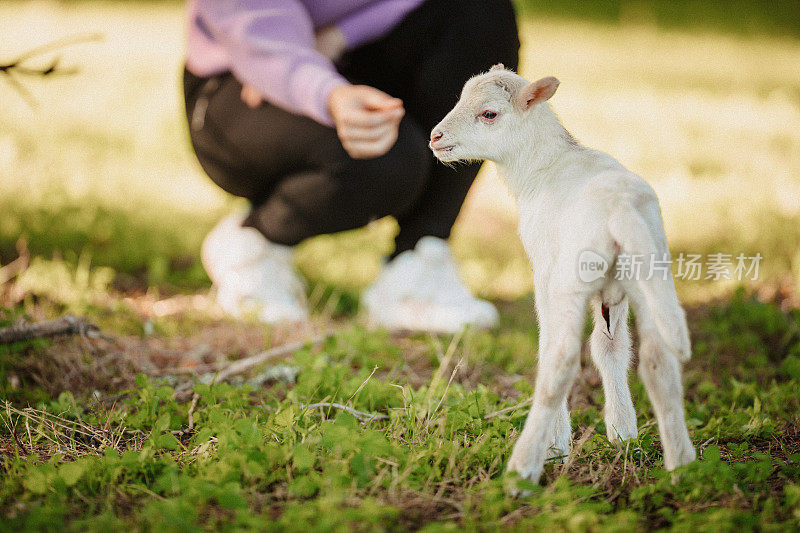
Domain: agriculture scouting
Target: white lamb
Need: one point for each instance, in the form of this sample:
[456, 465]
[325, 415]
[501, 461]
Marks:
[575, 204]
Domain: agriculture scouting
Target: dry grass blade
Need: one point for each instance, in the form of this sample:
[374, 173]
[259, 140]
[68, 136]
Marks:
[447, 387]
[510, 409]
[350, 399]
[59, 435]
[576, 449]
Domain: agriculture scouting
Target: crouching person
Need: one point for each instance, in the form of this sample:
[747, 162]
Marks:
[317, 112]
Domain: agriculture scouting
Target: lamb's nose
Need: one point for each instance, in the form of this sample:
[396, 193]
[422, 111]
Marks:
[436, 135]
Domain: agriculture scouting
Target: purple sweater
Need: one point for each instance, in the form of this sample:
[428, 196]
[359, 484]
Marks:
[270, 44]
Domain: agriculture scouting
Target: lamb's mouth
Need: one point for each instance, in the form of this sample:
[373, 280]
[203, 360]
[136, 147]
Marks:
[444, 149]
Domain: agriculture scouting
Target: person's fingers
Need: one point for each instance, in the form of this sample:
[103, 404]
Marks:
[383, 134]
[367, 120]
[354, 133]
[378, 100]
[369, 149]
[362, 118]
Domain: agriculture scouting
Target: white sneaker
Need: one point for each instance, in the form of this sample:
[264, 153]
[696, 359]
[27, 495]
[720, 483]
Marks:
[253, 275]
[421, 290]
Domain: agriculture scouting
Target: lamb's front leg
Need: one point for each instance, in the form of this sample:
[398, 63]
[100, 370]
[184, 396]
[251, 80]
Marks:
[611, 352]
[559, 359]
[562, 430]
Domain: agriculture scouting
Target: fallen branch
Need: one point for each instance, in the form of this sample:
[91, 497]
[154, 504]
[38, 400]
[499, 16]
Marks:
[705, 445]
[358, 414]
[67, 325]
[241, 366]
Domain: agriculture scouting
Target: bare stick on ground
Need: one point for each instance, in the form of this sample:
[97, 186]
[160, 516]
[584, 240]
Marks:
[66, 325]
[243, 365]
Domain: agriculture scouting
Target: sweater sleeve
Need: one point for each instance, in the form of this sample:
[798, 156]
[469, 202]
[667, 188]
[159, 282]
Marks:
[270, 44]
[374, 20]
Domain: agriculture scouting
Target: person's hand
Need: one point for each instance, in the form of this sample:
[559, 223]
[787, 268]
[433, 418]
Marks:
[330, 42]
[366, 119]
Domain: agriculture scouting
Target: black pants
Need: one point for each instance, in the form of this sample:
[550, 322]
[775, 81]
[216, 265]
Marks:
[295, 171]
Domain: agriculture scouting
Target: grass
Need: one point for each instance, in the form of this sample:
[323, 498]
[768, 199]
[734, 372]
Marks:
[98, 186]
[105, 444]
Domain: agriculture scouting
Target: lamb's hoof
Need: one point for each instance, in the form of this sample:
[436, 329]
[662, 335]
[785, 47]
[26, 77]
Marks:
[621, 425]
[516, 486]
[522, 475]
[676, 473]
[684, 457]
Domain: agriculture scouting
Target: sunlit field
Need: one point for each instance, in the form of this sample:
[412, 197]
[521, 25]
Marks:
[713, 122]
[100, 191]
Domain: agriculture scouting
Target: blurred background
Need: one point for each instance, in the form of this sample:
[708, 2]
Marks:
[103, 208]
[99, 187]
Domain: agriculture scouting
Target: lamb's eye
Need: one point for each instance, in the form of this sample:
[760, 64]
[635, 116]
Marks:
[489, 114]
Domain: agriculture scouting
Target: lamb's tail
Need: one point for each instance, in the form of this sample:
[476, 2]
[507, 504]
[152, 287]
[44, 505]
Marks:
[654, 300]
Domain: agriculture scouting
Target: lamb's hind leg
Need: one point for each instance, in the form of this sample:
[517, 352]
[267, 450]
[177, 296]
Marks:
[661, 374]
[561, 322]
[660, 370]
[611, 352]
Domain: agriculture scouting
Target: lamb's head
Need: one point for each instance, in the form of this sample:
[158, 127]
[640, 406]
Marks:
[488, 116]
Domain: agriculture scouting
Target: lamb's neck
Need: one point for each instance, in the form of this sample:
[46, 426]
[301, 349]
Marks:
[538, 156]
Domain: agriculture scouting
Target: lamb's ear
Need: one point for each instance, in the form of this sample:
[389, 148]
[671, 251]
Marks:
[537, 92]
[498, 66]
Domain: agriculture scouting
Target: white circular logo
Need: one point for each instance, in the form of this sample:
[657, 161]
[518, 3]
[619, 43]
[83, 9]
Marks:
[591, 266]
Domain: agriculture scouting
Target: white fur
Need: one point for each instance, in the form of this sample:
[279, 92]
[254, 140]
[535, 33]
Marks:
[573, 199]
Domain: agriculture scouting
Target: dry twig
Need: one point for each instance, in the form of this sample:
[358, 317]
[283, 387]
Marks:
[66, 325]
[191, 411]
[19, 66]
[358, 414]
[241, 366]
